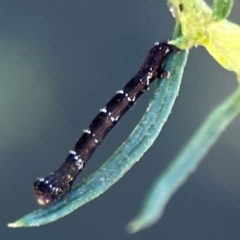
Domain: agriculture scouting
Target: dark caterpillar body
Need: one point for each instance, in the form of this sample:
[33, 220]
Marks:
[58, 184]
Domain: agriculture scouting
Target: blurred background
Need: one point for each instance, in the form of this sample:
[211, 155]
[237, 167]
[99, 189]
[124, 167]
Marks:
[61, 61]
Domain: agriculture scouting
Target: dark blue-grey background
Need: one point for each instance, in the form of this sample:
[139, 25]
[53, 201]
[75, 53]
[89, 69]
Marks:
[60, 62]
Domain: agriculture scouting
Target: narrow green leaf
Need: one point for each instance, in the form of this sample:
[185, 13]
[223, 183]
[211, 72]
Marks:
[186, 162]
[127, 154]
[221, 9]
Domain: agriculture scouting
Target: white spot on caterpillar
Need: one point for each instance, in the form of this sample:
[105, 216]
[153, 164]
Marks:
[133, 99]
[120, 92]
[95, 140]
[87, 131]
[147, 83]
[114, 119]
[109, 114]
[79, 163]
[149, 76]
[167, 50]
[72, 152]
[103, 110]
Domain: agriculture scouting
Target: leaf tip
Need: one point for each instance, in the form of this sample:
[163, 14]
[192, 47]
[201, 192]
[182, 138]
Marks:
[133, 227]
[221, 9]
[15, 224]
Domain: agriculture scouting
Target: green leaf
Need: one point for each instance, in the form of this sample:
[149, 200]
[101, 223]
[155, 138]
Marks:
[221, 39]
[221, 9]
[186, 162]
[127, 154]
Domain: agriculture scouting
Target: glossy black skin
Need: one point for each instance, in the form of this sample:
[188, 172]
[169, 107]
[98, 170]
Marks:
[58, 184]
